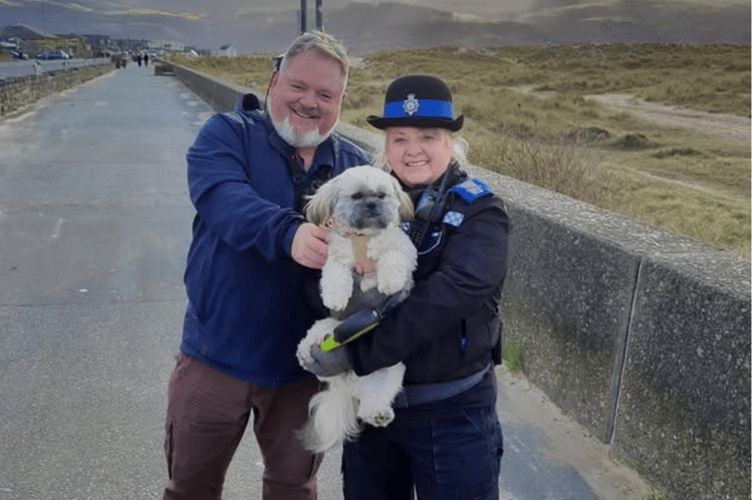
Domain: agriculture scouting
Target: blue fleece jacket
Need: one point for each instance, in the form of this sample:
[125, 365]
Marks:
[247, 303]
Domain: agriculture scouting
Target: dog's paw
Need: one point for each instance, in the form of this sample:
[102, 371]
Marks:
[337, 301]
[304, 353]
[378, 418]
[390, 282]
[336, 285]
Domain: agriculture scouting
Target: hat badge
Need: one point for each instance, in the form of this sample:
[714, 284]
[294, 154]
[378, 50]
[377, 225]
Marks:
[410, 105]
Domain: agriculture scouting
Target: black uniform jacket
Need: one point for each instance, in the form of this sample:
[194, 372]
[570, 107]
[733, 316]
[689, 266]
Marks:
[448, 327]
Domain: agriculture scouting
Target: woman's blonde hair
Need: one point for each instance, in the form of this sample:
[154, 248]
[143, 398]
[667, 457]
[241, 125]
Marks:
[459, 146]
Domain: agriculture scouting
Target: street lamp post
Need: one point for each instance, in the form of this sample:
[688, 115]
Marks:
[304, 16]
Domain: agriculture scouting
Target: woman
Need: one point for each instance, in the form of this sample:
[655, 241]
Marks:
[445, 440]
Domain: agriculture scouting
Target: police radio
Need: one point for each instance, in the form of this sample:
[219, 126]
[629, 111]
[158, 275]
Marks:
[429, 210]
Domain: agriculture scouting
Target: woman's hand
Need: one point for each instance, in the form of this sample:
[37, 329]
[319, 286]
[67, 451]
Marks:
[326, 364]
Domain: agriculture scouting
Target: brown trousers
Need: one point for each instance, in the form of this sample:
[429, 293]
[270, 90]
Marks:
[207, 415]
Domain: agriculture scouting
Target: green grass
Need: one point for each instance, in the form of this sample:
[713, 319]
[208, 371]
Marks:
[656, 495]
[528, 116]
[513, 356]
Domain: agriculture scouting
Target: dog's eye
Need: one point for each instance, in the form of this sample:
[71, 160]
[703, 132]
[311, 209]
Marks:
[356, 196]
[380, 195]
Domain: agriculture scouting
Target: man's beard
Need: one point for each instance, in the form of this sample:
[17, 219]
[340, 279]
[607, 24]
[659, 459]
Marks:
[296, 138]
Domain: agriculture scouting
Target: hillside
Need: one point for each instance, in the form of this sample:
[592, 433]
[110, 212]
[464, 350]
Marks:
[658, 132]
[367, 27]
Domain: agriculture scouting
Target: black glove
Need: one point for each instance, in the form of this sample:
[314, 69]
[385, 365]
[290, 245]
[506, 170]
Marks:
[327, 364]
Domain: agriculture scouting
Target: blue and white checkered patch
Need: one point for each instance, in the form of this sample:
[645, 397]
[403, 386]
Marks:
[453, 218]
[472, 189]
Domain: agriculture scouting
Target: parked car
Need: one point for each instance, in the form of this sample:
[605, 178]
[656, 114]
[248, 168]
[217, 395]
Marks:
[54, 54]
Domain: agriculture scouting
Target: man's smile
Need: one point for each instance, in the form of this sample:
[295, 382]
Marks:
[307, 115]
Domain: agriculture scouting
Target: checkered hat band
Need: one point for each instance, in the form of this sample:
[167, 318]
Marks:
[426, 108]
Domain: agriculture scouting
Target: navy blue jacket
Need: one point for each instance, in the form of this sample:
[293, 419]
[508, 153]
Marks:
[247, 304]
[449, 326]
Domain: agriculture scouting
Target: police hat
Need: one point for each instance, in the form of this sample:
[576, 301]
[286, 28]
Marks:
[418, 101]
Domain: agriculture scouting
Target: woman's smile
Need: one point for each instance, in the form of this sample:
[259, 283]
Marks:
[419, 156]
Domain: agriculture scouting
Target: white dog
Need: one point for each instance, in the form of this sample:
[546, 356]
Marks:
[370, 257]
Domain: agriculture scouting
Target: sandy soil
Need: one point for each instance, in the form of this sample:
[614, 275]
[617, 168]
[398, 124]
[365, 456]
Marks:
[699, 122]
[730, 129]
[662, 115]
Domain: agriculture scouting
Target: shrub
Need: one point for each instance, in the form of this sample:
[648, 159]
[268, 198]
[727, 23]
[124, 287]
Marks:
[560, 163]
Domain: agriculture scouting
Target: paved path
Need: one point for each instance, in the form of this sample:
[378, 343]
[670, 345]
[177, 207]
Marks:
[94, 226]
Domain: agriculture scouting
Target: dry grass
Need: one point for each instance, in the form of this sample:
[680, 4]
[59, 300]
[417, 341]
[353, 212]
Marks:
[528, 116]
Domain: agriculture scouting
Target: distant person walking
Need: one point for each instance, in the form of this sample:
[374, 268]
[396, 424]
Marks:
[138, 60]
[146, 60]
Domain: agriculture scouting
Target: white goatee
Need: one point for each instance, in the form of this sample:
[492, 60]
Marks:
[296, 138]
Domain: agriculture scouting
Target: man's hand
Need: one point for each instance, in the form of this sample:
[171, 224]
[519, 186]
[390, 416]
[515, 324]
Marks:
[310, 246]
[327, 364]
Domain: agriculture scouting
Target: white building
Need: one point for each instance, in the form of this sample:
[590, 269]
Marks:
[165, 45]
[226, 51]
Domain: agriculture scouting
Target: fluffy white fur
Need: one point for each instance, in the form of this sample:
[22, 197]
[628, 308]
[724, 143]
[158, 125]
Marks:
[362, 202]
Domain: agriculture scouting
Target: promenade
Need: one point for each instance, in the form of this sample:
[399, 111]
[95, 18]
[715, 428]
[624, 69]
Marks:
[94, 227]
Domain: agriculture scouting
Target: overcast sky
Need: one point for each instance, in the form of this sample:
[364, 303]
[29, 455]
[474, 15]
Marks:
[219, 5]
[215, 6]
[458, 4]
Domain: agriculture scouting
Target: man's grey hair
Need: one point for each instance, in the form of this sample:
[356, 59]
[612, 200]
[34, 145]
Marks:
[321, 42]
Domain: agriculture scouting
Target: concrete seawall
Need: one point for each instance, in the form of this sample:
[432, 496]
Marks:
[17, 93]
[641, 335]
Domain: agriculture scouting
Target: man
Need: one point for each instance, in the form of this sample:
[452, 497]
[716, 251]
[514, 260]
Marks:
[248, 271]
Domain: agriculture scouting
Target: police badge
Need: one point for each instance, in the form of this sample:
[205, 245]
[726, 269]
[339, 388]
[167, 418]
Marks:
[410, 105]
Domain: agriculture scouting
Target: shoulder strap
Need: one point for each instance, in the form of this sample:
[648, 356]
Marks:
[471, 189]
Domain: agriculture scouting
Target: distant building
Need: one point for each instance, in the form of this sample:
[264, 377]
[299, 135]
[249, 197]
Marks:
[31, 41]
[24, 32]
[97, 40]
[166, 46]
[100, 44]
[226, 51]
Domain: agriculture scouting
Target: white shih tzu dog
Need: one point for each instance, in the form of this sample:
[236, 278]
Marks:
[370, 258]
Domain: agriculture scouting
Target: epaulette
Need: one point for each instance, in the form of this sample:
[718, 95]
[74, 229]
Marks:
[469, 190]
[472, 189]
